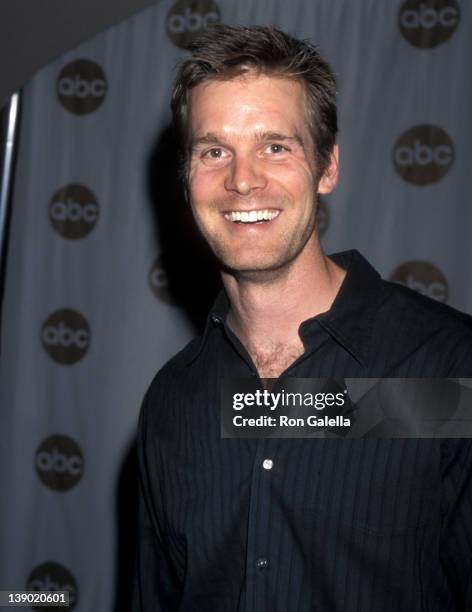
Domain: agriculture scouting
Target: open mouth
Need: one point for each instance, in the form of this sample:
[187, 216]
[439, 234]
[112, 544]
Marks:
[252, 216]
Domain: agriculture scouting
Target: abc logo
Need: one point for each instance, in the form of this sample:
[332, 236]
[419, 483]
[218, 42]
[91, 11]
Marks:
[159, 282]
[66, 336]
[322, 217]
[59, 462]
[423, 154]
[187, 17]
[73, 211]
[423, 277]
[81, 86]
[428, 23]
[51, 576]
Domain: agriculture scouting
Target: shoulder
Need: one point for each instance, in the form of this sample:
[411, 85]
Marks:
[177, 366]
[172, 381]
[412, 307]
[436, 333]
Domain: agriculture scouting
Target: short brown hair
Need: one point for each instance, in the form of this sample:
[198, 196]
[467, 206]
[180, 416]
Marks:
[223, 52]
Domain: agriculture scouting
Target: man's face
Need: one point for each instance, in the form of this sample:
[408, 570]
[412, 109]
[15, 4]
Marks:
[252, 175]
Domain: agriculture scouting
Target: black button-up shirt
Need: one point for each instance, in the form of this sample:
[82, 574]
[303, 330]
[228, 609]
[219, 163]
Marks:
[329, 525]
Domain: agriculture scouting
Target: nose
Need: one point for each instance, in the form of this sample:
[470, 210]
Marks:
[244, 175]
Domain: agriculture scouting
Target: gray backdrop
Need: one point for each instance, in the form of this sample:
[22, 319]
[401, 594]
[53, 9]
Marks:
[105, 279]
[34, 33]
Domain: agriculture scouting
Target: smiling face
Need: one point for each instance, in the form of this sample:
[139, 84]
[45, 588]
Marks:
[252, 176]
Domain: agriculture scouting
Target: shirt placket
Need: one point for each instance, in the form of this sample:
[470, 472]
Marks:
[259, 557]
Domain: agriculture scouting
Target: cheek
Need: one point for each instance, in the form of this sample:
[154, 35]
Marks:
[297, 181]
[201, 187]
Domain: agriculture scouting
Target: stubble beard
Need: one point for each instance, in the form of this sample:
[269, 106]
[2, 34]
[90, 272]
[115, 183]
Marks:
[272, 266]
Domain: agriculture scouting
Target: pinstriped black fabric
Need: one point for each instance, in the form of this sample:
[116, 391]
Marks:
[335, 525]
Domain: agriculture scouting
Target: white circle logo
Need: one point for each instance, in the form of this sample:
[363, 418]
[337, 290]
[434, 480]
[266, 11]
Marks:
[188, 17]
[424, 277]
[51, 576]
[159, 282]
[81, 86]
[65, 335]
[73, 211]
[428, 23]
[423, 154]
[59, 462]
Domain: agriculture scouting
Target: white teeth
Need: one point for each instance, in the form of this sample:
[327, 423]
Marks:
[252, 216]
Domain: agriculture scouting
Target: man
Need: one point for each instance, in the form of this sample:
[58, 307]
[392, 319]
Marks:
[291, 524]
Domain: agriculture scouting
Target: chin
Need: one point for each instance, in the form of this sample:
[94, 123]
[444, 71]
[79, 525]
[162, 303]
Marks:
[260, 270]
[245, 261]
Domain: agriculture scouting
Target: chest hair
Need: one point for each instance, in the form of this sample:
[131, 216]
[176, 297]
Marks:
[274, 359]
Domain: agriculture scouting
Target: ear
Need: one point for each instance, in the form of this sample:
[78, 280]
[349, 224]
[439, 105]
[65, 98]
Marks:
[329, 179]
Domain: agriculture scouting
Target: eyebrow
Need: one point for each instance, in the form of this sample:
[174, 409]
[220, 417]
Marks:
[212, 138]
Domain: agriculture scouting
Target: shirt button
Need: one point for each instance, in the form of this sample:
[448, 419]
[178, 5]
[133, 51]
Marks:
[267, 464]
[262, 563]
[215, 319]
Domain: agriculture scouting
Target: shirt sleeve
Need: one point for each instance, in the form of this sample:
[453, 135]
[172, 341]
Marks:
[456, 531]
[156, 586]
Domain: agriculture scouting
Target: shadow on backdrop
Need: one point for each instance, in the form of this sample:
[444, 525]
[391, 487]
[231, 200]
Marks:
[190, 265]
[193, 282]
[126, 525]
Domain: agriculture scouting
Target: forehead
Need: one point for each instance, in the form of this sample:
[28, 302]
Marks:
[250, 102]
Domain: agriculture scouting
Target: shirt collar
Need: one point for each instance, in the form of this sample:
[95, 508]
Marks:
[349, 320]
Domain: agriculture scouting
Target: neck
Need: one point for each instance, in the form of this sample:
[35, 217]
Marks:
[267, 309]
